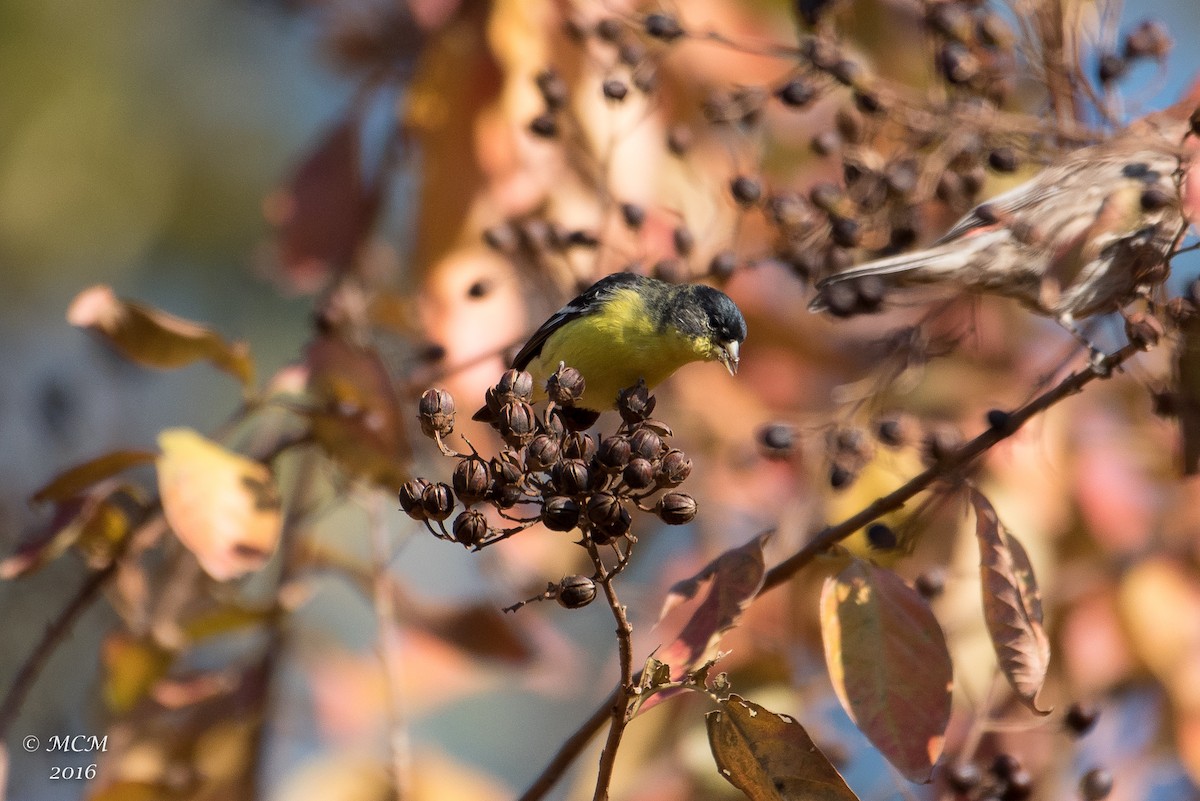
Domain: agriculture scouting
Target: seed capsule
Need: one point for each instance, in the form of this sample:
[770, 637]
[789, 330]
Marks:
[578, 445]
[574, 592]
[436, 412]
[638, 474]
[565, 386]
[560, 513]
[646, 444]
[470, 528]
[635, 403]
[663, 26]
[410, 498]
[518, 423]
[544, 125]
[553, 89]
[676, 508]
[746, 191]
[674, 468]
[542, 452]
[603, 509]
[796, 93]
[437, 501]
[470, 480]
[571, 477]
[514, 385]
[614, 453]
[633, 215]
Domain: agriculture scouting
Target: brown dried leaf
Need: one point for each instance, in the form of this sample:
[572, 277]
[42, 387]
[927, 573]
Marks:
[223, 507]
[357, 420]
[1012, 605]
[153, 338]
[326, 210]
[93, 521]
[75, 480]
[770, 757]
[889, 664]
[734, 578]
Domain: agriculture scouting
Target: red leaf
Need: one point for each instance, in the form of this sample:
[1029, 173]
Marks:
[889, 664]
[324, 213]
[1012, 605]
[734, 579]
[770, 757]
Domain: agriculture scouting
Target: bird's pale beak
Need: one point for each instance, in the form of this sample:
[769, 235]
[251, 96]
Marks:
[728, 354]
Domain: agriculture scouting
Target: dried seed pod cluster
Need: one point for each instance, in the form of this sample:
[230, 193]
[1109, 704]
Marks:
[550, 470]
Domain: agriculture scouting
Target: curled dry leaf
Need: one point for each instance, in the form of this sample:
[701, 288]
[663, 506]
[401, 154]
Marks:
[734, 578]
[95, 522]
[357, 416]
[75, 480]
[153, 338]
[889, 664]
[1012, 605]
[224, 507]
[770, 757]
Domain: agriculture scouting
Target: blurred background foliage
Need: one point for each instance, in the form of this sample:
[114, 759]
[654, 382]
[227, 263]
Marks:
[143, 144]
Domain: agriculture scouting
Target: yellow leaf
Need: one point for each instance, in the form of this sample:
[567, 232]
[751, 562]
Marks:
[154, 338]
[131, 668]
[222, 506]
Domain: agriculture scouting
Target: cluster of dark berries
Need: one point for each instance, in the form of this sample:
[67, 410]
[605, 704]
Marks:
[1006, 778]
[1148, 41]
[551, 471]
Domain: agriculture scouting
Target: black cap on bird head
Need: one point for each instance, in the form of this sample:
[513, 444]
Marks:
[716, 318]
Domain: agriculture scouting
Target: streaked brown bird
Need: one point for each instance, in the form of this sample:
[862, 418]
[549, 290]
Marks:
[1083, 237]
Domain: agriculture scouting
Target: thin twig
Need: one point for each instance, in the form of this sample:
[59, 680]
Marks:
[619, 710]
[399, 746]
[948, 466]
[55, 632]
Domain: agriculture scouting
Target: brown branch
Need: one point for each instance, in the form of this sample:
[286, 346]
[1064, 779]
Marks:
[31, 668]
[399, 747]
[831, 535]
[948, 466]
[618, 710]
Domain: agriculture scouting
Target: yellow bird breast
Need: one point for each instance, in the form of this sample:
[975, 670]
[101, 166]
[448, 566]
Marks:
[613, 349]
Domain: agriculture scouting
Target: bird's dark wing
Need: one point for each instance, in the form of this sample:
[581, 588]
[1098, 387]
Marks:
[587, 303]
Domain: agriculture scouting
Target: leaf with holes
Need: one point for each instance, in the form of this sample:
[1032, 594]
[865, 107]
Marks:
[734, 578]
[770, 757]
[153, 338]
[889, 664]
[1012, 605]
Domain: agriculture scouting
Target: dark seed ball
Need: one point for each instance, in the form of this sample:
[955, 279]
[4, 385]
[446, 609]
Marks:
[674, 468]
[578, 445]
[777, 439]
[746, 191]
[542, 452]
[437, 501]
[662, 26]
[560, 513]
[571, 476]
[633, 215]
[646, 444]
[410, 498]
[1003, 159]
[845, 232]
[796, 93]
[470, 527]
[1096, 784]
[615, 89]
[676, 508]
[723, 265]
[1080, 718]
[544, 125]
[931, 583]
[638, 474]
[614, 453]
[470, 480]
[574, 592]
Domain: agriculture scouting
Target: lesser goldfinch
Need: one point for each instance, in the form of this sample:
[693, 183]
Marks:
[627, 327]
